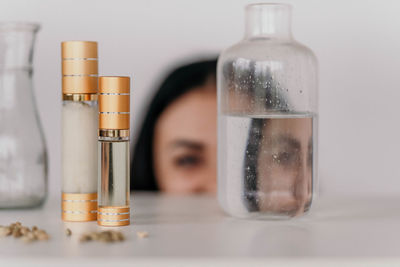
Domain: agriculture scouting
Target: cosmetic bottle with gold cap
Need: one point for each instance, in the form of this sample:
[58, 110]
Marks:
[79, 130]
[114, 103]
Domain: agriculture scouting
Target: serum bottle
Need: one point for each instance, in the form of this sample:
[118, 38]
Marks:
[113, 151]
[79, 130]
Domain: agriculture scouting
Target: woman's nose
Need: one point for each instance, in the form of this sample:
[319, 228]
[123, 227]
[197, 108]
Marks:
[208, 183]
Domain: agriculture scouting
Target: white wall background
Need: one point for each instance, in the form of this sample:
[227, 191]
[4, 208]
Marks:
[357, 43]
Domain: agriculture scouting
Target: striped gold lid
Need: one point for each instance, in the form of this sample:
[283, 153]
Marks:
[79, 207]
[113, 216]
[79, 67]
[114, 102]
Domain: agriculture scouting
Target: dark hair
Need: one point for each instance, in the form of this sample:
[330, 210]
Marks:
[180, 81]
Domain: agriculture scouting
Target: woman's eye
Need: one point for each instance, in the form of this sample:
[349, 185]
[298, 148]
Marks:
[187, 161]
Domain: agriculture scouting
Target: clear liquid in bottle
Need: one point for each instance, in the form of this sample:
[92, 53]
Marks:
[267, 163]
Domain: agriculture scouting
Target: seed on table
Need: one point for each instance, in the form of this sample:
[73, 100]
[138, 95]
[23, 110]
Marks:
[93, 236]
[34, 228]
[17, 232]
[108, 236]
[117, 236]
[5, 231]
[142, 234]
[68, 232]
[105, 237]
[11, 226]
[84, 238]
[42, 235]
[24, 230]
[29, 237]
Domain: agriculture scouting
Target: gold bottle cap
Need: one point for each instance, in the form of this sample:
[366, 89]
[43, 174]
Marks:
[79, 49]
[79, 67]
[114, 102]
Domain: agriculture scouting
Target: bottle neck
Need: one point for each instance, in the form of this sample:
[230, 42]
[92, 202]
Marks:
[272, 21]
[16, 45]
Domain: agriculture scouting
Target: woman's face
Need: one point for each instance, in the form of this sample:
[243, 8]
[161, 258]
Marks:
[285, 165]
[185, 142]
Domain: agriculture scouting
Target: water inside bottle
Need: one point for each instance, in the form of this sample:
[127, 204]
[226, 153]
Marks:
[266, 163]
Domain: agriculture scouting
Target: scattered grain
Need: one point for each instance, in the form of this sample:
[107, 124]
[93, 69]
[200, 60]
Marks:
[142, 234]
[5, 231]
[17, 230]
[108, 236]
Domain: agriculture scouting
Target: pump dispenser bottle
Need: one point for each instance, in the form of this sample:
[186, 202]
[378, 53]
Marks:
[79, 130]
[113, 151]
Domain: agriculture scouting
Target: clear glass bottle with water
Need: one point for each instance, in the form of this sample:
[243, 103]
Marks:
[267, 119]
[23, 157]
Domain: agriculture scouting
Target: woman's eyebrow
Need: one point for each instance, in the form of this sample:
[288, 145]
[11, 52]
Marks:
[187, 144]
[288, 140]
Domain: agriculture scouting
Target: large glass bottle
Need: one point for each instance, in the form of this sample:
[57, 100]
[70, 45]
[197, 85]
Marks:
[267, 119]
[23, 157]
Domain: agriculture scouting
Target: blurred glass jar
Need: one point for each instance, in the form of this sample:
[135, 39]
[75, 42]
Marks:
[23, 157]
[267, 119]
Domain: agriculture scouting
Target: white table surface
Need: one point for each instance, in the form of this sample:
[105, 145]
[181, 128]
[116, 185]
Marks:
[190, 230]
